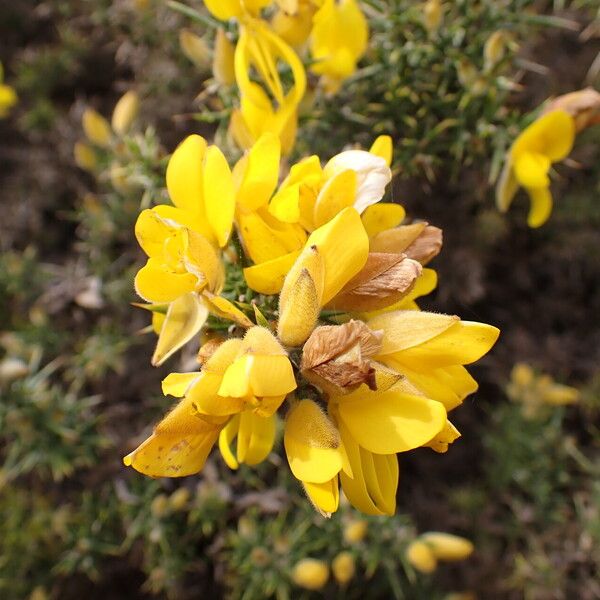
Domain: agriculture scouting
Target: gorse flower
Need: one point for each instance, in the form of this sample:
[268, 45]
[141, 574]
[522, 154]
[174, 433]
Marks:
[267, 50]
[359, 372]
[547, 140]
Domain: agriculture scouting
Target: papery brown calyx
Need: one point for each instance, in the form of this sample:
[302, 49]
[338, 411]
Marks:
[384, 280]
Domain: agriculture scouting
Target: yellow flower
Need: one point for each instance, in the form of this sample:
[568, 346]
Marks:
[547, 140]
[338, 40]
[8, 96]
[235, 394]
[184, 267]
[294, 26]
[310, 573]
[260, 51]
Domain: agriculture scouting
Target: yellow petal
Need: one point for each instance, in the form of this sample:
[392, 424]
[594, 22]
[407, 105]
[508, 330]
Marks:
[151, 232]
[344, 246]
[262, 173]
[285, 204]
[406, 329]
[390, 422]
[382, 216]
[447, 436]
[267, 278]
[205, 398]
[184, 319]
[96, 128]
[553, 135]
[461, 344]
[177, 384]
[219, 194]
[312, 443]
[184, 174]
[379, 499]
[448, 385]
[338, 193]
[541, 206]
[84, 155]
[256, 436]
[324, 496]
[531, 170]
[178, 446]
[421, 557]
[224, 9]
[227, 436]
[195, 221]
[154, 282]
[382, 146]
[195, 48]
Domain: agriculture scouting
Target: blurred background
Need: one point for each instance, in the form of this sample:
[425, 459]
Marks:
[76, 388]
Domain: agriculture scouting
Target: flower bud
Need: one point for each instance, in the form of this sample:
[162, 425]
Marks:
[159, 506]
[223, 69]
[432, 15]
[467, 73]
[96, 128]
[494, 50]
[85, 157]
[179, 499]
[118, 178]
[355, 531]
[446, 546]
[343, 567]
[310, 573]
[421, 557]
[522, 375]
[195, 48]
[125, 111]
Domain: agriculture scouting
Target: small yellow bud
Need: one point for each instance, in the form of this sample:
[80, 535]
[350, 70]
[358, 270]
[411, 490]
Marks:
[432, 15]
[421, 557]
[126, 110]
[96, 128]
[11, 369]
[494, 50]
[179, 499]
[84, 155]
[223, 69]
[8, 98]
[195, 48]
[446, 546]
[522, 375]
[343, 567]
[355, 532]
[159, 506]
[310, 573]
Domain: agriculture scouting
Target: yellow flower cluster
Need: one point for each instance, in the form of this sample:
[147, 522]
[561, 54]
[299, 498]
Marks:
[366, 375]
[335, 31]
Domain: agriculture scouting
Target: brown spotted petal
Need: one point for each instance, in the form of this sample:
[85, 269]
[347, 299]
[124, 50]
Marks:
[419, 241]
[384, 280]
[582, 105]
[337, 357]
